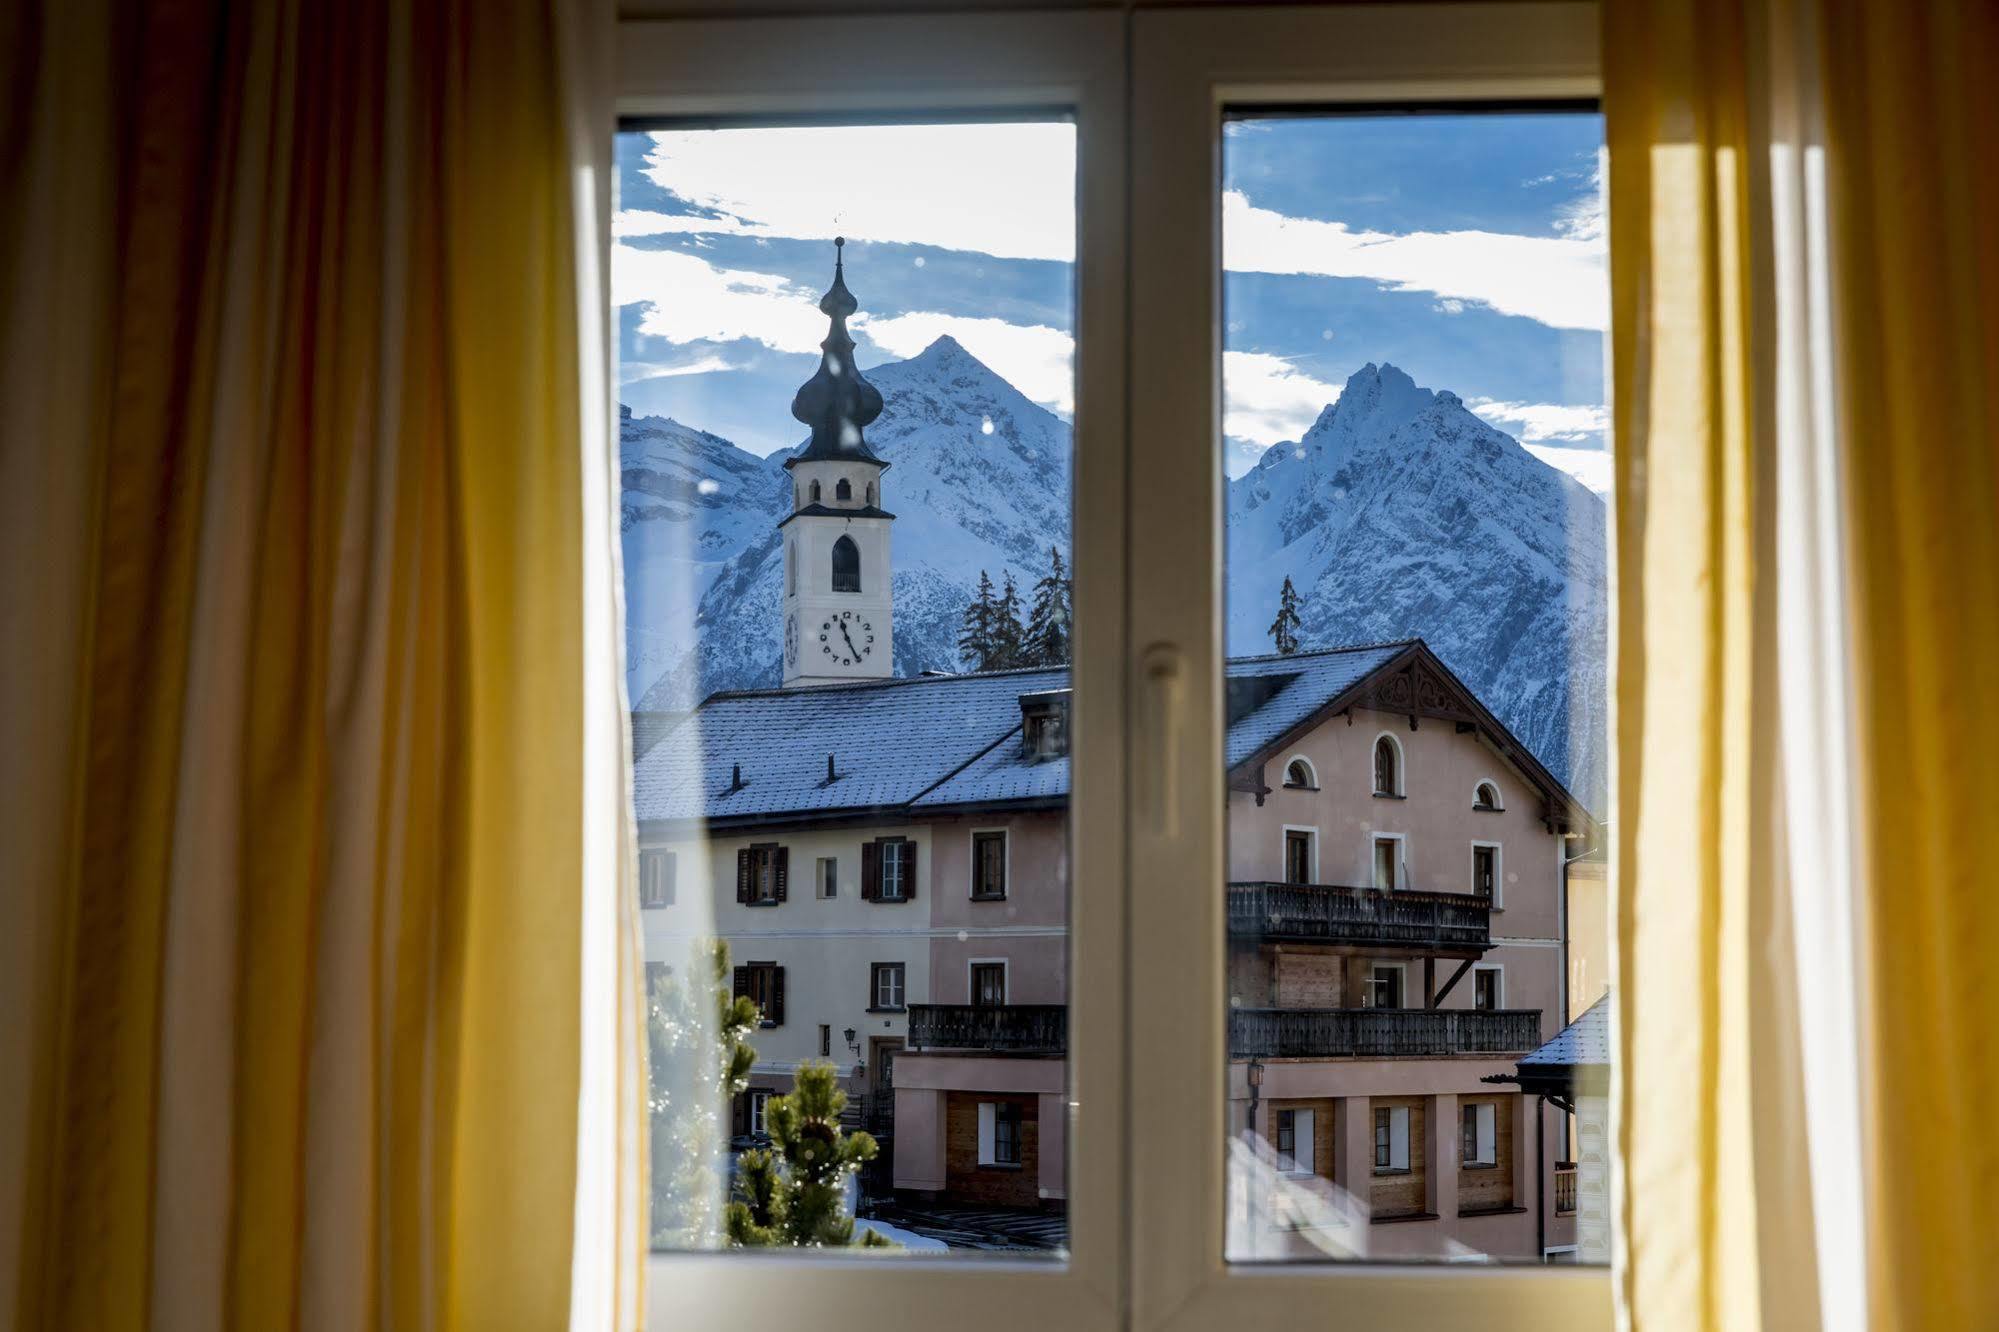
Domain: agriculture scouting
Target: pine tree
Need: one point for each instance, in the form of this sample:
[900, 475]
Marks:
[1284, 629]
[975, 638]
[794, 1195]
[1009, 636]
[695, 1037]
[1048, 623]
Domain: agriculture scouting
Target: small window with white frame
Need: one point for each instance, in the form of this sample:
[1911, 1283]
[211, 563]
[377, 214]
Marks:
[1390, 867]
[1388, 774]
[989, 864]
[826, 876]
[1301, 855]
[1295, 1147]
[885, 987]
[1299, 775]
[1485, 798]
[1479, 1126]
[1000, 1134]
[1488, 988]
[656, 878]
[1391, 1140]
[1384, 985]
[1486, 872]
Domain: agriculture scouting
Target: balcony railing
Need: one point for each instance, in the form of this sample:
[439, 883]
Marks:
[1281, 1033]
[1565, 1188]
[1328, 913]
[1007, 1028]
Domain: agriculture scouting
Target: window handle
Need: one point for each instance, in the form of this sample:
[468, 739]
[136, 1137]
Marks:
[1162, 665]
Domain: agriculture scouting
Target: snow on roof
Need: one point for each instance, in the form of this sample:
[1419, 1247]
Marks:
[929, 742]
[1584, 1043]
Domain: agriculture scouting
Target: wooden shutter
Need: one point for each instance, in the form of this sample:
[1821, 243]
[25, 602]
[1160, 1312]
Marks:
[908, 869]
[776, 1014]
[871, 872]
[743, 877]
[782, 858]
[742, 980]
[740, 1104]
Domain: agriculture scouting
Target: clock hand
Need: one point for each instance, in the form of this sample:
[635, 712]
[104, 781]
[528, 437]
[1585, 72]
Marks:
[850, 642]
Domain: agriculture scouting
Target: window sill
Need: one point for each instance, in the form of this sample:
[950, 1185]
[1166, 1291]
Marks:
[876, 1008]
[762, 902]
[1290, 787]
[1488, 809]
[1400, 1217]
[1385, 1172]
[1001, 1165]
[1389, 795]
[889, 901]
[1477, 1165]
[988, 897]
[1508, 1210]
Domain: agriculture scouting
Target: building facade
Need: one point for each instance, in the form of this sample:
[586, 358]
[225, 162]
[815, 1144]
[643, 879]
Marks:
[888, 861]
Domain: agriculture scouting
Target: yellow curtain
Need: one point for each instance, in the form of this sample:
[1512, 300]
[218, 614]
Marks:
[1913, 139]
[327, 990]
[1804, 272]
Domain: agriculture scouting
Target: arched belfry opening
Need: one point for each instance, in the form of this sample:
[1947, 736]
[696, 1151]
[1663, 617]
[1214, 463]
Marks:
[842, 490]
[846, 565]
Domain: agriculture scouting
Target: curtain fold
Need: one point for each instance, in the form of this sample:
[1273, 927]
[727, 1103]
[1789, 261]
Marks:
[330, 848]
[1805, 277]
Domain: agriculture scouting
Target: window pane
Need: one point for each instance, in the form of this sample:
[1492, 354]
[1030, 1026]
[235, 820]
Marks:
[846, 393]
[1415, 446]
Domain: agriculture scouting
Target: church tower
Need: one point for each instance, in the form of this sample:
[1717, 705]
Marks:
[837, 604]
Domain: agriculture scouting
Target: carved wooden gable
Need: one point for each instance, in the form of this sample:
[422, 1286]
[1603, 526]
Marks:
[1418, 689]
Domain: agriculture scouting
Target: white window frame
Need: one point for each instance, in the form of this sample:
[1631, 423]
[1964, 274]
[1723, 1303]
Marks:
[972, 863]
[1311, 774]
[1498, 850]
[1284, 849]
[1145, 1245]
[820, 867]
[1485, 1134]
[1401, 970]
[1498, 806]
[1304, 1142]
[1006, 977]
[1402, 873]
[1188, 64]
[905, 867]
[1498, 972]
[666, 882]
[876, 971]
[1401, 790]
[989, 1136]
[1406, 1115]
[758, 1103]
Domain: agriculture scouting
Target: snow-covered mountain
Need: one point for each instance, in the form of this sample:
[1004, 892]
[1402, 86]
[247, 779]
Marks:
[978, 480]
[1398, 514]
[1401, 514]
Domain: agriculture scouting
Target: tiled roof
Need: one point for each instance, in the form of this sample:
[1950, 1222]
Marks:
[931, 742]
[1584, 1043]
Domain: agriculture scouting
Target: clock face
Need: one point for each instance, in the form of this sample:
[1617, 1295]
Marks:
[847, 638]
[790, 641]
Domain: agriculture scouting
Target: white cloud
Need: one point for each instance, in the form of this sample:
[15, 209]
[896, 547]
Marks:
[632, 372]
[1008, 190]
[1266, 399]
[1558, 280]
[1535, 422]
[688, 299]
[1589, 466]
[1036, 359]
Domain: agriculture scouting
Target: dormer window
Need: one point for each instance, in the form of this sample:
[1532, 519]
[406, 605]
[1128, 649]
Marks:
[1298, 776]
[1044, 725]
[1486, 798]
[843, 491]
[1387, 767]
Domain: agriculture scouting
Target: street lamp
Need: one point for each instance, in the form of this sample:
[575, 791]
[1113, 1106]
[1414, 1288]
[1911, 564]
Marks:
[854, 1046]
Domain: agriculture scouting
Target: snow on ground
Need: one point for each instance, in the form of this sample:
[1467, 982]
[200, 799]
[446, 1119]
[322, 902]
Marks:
[908, 1239]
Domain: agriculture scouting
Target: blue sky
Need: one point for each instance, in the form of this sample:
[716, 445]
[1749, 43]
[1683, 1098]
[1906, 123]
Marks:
[1466, 249]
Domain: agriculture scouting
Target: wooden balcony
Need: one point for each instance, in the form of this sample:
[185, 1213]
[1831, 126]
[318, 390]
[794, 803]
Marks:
[1005, 1029]
[1439, 923]
[1565, 1188]
[1381, 1033]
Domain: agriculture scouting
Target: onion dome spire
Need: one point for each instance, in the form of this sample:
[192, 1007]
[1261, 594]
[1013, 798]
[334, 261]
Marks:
[837, 401]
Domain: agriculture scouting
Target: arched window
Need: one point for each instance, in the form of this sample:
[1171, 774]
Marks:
[815, 492]
[1485, 797]
[1387, 766]
[846, 564]
[871, 494]
[843, 491]
[1298, 776]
